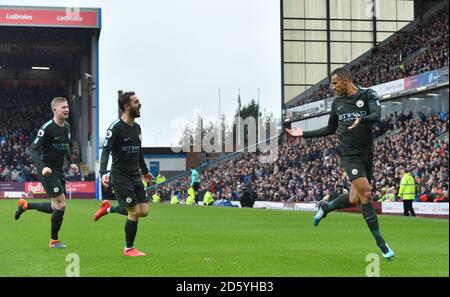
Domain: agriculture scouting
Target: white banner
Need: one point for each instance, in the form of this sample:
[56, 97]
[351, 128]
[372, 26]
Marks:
[389, 87]
[311, 107]
[301, 206]
[424, 208]
[10, 194]
[430, 208]
[306, 206]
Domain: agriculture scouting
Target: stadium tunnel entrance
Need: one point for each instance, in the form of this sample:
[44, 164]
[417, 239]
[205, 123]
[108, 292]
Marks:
[47, 52]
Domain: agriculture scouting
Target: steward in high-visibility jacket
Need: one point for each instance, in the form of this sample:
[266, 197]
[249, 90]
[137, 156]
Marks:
[160, 179]
[208, 198]
[156, 198]
[191, 197]
[407, 189]
[407, 192]
[174, 200]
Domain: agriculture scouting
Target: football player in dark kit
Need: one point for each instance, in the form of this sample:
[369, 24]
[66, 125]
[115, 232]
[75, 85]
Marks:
[123, 140]
[48, 152]
[353, 112]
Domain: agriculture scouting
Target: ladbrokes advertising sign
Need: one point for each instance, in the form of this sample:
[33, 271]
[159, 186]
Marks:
[50, 17]
[71, 187]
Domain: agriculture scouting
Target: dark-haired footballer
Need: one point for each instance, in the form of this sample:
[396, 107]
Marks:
[353, 112]
[123, 141]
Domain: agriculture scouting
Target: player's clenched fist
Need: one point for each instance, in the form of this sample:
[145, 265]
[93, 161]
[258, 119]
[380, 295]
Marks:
[105, 180]
[46, 171]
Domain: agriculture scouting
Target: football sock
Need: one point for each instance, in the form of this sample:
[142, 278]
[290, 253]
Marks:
[41, 206]
[118, 209]
[371, 219]
[343, 201]
[130, 232]
[57, 219]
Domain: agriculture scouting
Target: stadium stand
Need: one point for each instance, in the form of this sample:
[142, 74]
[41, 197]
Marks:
[24, 109]
[423, 49]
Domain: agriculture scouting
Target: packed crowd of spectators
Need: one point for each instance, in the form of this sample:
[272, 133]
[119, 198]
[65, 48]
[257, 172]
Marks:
[418, 149]
[317, 174]
[423, 49]
[24, 110]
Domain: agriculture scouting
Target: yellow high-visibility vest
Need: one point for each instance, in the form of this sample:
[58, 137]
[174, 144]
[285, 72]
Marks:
[156, 198]
[407, 189]
[174, 200]
[208, 198]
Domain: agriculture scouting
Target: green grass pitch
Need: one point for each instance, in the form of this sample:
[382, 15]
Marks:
[185, 240]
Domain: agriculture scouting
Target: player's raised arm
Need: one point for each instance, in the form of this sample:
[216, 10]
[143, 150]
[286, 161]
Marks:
[327, 130]
[374, 115]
